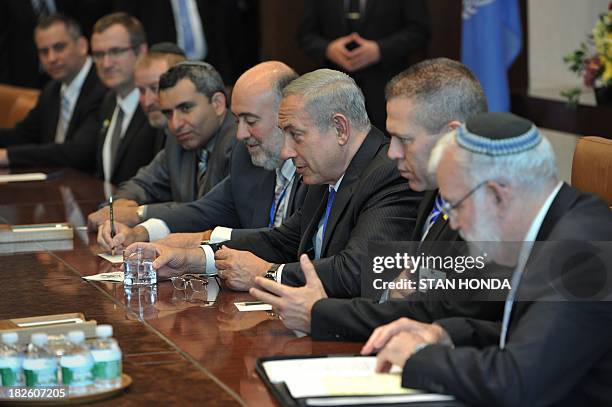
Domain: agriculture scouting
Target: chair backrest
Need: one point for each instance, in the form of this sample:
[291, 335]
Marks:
[8, 96]
[592, 166]
[20, 109]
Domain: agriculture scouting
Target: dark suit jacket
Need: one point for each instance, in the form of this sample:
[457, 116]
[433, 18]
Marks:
[31, 142]
[218, 22]
[372, 203]
[241, 201]
[172, 176]
[398, 26]
[138, 145]
[558, 352]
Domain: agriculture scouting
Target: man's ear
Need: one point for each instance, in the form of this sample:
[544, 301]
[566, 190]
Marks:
[218, 101]
[341, 125]
[500, 196]
[453, 125]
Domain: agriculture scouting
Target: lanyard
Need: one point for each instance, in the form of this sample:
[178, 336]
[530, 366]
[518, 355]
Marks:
[276, 205]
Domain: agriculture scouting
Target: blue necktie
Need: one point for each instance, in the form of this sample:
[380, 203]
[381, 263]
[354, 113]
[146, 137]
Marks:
[433, 215]
[189, 41]
[330, 202]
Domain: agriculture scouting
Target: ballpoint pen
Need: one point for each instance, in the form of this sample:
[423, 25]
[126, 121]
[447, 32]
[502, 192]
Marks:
[112, 222]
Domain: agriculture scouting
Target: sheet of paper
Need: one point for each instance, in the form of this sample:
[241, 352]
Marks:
[252, 306]
[367, 401]
[32, 176]
[339, 376]
[117, 258]
[112, 276]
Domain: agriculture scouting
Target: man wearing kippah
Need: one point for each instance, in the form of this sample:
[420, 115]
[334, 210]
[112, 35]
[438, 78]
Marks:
[498, 177]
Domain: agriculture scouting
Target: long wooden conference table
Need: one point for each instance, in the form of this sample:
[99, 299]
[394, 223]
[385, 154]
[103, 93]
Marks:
[177, 348]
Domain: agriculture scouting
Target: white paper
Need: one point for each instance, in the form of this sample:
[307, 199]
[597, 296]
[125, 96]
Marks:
[117, 258]
[112, 276]
[245, 307]
[32, 176]
[342, 377]
[366, 401]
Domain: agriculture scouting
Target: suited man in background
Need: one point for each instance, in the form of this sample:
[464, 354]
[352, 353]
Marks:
[499, 176]
[126, 141]
[261, 189]
[61, 128]
[355, 195]
[197, 154]
[416, 120]
[206, 29]
[371, 40]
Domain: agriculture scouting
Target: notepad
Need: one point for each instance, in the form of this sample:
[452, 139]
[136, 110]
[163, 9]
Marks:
[117, 258]
[31, 176]
[252, 306]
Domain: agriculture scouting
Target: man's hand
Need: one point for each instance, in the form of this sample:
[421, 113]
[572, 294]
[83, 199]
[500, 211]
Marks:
[124, 211]
[239, 268]
[337, 53]
[170, 261]
[366, 54]
[4, 160]
[294, 305]
[397, 351]
[124, 236]
[207, 234]
[184, 240]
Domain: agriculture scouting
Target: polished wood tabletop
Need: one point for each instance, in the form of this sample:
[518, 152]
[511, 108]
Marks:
[179, 346]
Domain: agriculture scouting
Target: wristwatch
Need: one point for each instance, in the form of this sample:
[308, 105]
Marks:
[141, 212]
[271, 273]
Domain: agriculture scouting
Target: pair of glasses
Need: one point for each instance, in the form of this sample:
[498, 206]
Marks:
[448, 208]
[197, 282]
[113, 53]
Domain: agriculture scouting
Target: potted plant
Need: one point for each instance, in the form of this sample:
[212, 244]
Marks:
[593, 62]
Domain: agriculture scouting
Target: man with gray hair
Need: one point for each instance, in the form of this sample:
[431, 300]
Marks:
[261, 189]
[498, 177]
[355, 195]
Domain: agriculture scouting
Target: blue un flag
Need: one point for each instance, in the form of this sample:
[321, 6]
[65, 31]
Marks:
[491, 40]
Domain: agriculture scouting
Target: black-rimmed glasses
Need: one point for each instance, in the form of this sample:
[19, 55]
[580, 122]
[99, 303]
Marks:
[447, 208]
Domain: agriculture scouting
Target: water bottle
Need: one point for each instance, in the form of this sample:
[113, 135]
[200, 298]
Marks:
[77, 365]
[39, 364]
[107, 358]
[11, 361]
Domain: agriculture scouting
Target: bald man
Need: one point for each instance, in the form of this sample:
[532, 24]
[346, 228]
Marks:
[261, 190]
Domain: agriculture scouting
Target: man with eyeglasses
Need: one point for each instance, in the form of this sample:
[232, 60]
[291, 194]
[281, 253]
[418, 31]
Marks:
[196, 156]
[552, 347]
[60, 130]
[127, 141]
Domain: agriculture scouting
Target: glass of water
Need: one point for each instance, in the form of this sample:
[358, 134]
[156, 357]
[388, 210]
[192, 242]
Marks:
[138, 269]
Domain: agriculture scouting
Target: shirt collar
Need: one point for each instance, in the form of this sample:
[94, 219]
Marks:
[533, 231]
[337, 184]
[129, 103]
[287, 170]
[72, 90]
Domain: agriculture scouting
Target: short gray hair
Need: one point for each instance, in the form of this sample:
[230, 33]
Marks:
[203, 75]
[443, 90]
[529, 170]
[327, 92]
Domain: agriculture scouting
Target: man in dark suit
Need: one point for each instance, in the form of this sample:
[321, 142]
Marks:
[126, 141]
[61, 128]
[499, 179]
[355, 195]
[178, 173]
[206, 29]
[416, 120]
[371, 40]
[261, 189]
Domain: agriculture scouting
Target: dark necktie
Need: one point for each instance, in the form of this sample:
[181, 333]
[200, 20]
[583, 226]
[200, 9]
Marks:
[116, 137]
[202, 165]
[433, 215]
[353, 15]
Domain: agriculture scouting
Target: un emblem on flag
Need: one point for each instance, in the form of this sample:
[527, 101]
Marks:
[470, 7]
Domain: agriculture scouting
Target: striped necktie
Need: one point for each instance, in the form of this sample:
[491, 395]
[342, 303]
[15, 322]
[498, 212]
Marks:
[433, 215]
[64, 119]
[202, 165]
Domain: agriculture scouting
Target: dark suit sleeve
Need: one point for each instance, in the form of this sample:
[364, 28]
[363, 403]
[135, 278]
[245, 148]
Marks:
[77, 152]
[551, 349]
[215, 208]
[412, 36]
[309, 39]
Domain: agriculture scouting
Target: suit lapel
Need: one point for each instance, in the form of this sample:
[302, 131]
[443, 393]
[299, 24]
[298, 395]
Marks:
[312, 213]
[87, 85]
[261, 208]
[54, 113]
[423, 212]
[298, 191]
[138, 119]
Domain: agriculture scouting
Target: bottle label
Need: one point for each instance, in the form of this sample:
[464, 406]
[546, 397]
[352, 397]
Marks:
[9, 376]
[42, 377]
[77, 376]
[107, 370]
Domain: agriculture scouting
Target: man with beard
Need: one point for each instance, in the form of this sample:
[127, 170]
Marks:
[498, 177]
[261, 190]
